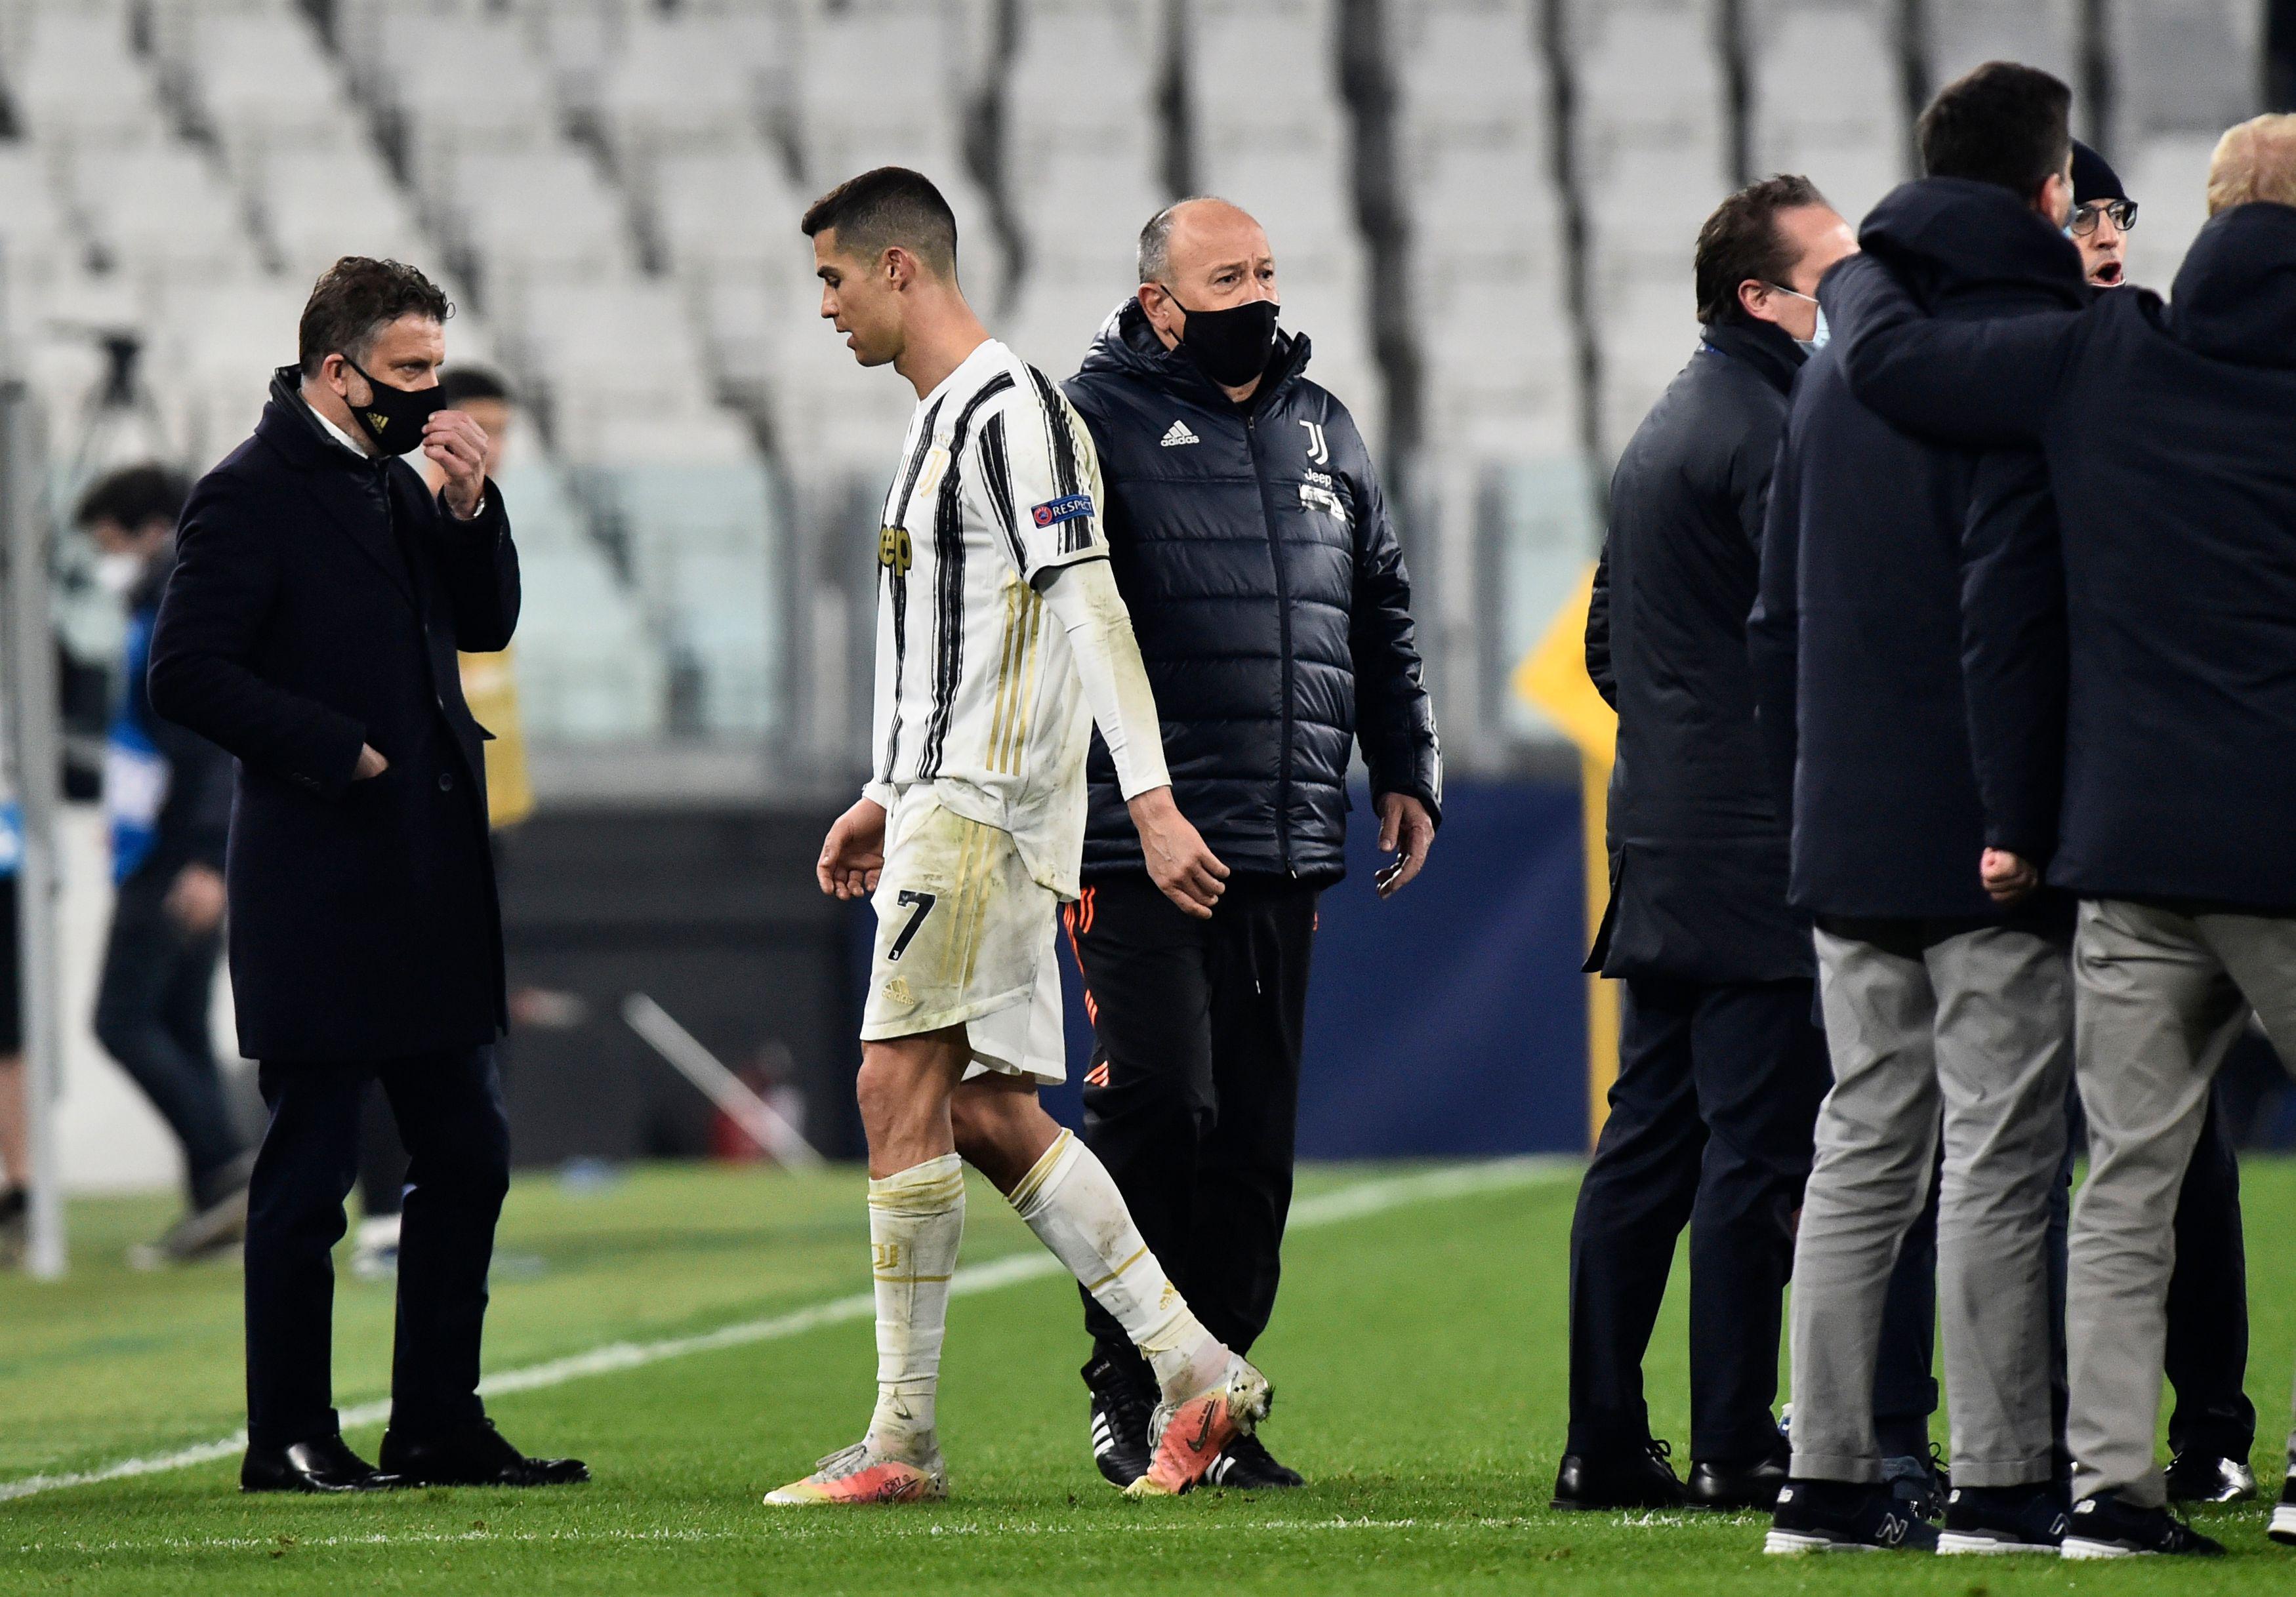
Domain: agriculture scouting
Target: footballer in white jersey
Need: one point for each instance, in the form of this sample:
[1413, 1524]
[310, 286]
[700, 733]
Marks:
[1001, 639]
[980, 729]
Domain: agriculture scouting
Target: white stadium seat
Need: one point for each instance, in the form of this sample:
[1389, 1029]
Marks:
[1827, 99]
[1962, 34]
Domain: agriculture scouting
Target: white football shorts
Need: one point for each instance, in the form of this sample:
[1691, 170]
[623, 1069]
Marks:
[964, 935]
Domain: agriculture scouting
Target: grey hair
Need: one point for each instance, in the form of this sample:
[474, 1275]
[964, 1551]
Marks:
[1156, 237]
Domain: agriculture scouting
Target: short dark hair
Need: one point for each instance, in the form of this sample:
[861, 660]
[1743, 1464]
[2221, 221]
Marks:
[355, 300]
[459, 385]
[1743, 240]
[889, 206]
[134, 496]
[2003, 124]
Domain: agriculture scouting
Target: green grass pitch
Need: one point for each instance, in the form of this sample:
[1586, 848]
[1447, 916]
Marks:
[1418, 1354]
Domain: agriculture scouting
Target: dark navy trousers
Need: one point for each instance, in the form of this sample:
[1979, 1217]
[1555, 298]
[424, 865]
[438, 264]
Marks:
[1710, 1127]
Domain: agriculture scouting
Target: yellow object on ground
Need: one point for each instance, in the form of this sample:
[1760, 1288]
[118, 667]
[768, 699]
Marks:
[490, 687]
[1554, 676]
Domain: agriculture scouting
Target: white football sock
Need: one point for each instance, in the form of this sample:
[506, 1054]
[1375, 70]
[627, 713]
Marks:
[916, 1218]
[1070, 1201]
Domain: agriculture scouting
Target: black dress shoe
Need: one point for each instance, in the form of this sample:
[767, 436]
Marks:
[1637, 1480]
[1729, 1488]
[2202, 1475]
[476, 1456]
[323, 1464]
[1246, 1465]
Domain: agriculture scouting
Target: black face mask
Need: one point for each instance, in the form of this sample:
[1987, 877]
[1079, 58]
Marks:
[1229, 345]
[393, 417]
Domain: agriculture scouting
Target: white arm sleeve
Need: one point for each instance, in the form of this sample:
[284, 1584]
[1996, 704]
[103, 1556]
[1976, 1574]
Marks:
[1107, 657]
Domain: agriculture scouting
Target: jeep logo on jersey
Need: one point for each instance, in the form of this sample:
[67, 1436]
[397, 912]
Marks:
[894, 550]
[1067, 508]
[1318, 451]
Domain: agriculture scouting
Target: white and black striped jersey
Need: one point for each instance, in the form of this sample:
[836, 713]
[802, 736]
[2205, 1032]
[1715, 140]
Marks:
[998, 486]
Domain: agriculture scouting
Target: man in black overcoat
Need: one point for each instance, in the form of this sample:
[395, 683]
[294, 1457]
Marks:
[311, 629]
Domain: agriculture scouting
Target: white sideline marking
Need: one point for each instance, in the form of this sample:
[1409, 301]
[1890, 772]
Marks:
[785, 1527]
[1325, 1209]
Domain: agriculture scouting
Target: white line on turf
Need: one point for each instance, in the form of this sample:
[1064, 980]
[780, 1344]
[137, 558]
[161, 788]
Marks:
[786, 1527]
[1325, 1209]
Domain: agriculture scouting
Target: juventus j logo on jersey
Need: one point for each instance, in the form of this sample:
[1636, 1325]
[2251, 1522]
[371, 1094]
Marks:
[1317, 450]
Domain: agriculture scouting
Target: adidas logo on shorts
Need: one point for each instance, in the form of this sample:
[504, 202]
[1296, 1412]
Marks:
[1179, 435]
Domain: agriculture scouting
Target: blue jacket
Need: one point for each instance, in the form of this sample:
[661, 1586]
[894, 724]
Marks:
[1698, 851]
[1855, 639]
[2168, 431]
[167, 791]
[1252, 546]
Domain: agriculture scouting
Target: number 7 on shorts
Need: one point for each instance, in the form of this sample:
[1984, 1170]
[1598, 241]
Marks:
[925, 902]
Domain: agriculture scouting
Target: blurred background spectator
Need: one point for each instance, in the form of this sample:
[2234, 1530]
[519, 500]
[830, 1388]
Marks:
[167, 798]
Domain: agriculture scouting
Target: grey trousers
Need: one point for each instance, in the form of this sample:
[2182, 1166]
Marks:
[2160, 996]
[1966, 1029]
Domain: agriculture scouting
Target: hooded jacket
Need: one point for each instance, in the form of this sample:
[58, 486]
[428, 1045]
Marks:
[2168, 431]
[1268, 590]
[1698, 852]
[1855, 638]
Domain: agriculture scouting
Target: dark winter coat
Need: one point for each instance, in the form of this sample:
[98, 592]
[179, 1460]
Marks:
[1698, 855]
[1266, 587]
[2169, 432]
[317, 604]
[1857, 638]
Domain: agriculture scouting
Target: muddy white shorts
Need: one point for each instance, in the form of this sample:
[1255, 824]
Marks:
[964, 937]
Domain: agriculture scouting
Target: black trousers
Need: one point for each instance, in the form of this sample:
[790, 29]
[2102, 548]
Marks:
[2206, 1358]
[152, 1008]
[449, 1109]
[1711, 1126]
[1193, 1098]
[383, 1159]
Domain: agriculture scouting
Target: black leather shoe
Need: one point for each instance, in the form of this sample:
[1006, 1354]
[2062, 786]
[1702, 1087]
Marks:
[1729, 1488]
[2200, 1475]
[1636, 1480]
[1246, 1465]
[478, 1456]
[323, 1464]
[1123, 1403]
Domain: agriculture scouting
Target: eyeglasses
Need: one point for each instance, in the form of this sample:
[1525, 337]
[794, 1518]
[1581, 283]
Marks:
[2123, 213]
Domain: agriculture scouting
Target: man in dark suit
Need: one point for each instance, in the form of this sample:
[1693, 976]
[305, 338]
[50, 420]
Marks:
[1722, 1064]
[311, 629]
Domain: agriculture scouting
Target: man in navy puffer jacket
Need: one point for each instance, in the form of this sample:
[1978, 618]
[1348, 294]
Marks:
[1252, 546]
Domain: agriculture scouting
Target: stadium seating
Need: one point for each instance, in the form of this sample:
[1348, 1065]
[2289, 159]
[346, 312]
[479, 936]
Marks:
[1827, 96]
[2183, 70]
[1962, 34]
[1263, 85]
[1082, 175]
[1652, 158]
[609, 189]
